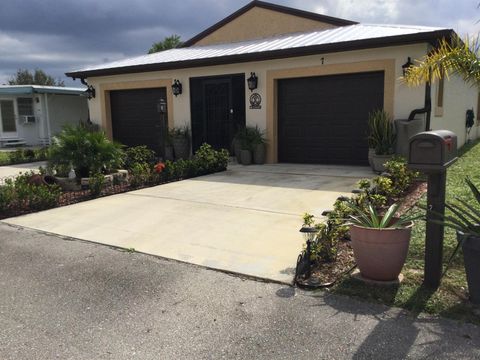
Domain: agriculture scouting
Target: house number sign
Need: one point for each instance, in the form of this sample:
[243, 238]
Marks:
[255, 101]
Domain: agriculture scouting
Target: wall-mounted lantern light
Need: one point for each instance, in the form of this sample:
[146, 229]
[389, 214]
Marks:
[161, 106]
[252, 81]
[90, 92]
[176, 87]
[406, 66]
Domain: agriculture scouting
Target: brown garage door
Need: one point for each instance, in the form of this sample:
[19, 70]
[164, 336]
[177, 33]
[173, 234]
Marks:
[137, 118]
[323, 120]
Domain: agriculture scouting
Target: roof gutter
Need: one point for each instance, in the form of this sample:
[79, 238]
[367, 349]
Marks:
[430, 37]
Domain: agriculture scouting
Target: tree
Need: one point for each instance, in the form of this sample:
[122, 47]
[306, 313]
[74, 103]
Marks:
[169, 42]
[38, 77]
[450, 57]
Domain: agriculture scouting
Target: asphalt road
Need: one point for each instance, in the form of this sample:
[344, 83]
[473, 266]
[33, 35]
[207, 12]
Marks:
[67, 299]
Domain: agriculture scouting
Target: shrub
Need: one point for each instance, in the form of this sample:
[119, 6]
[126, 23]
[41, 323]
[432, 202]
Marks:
[32, 196]
[87, 151]
[140, 174]
[16, 156]
[96, 182]
[138, 155]
[7, 195]
[381, 133]
[208, 160]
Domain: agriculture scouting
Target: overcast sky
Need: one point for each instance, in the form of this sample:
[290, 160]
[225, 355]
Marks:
[62, 35]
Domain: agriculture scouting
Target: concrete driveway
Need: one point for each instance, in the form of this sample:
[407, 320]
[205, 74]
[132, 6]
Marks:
[244, 220]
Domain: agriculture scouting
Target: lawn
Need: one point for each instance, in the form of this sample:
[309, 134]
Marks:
[22, 155]
[450, 299]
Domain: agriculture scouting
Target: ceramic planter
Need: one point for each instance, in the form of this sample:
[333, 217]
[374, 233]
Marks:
[169, 153]
[237, 148]
[471, 257]
[380, 253]
[259, 154]
[181, 147]
[371, 152]
[378, 161]
[245, 157]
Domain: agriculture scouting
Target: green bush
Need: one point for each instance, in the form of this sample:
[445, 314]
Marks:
[209, 160]
[138, 155]
[140, 174]
[32, 196]
[96, 183]
[7, 196]
[87, 151]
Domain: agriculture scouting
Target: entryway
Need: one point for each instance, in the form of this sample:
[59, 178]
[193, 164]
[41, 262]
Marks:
[217, 109]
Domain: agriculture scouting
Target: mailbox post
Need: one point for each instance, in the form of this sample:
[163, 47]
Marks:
[432, 152]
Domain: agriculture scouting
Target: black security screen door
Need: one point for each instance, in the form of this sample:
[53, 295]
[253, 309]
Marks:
[323, 119]
[137, 118]
[218, 109]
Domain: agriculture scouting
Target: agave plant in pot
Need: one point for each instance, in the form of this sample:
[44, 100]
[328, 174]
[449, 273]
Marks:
[380, 242]
[381, 138]
[466, 222]
[180, 138]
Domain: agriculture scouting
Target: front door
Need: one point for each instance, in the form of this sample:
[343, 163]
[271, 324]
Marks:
[218, 109]
[7, 117]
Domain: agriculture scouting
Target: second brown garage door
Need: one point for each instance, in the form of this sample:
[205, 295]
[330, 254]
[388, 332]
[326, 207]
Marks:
[323, 120]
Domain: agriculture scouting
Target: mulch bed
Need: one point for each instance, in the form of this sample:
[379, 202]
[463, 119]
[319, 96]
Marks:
[328, 273]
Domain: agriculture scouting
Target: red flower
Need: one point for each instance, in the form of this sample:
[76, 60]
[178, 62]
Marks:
[159, 167]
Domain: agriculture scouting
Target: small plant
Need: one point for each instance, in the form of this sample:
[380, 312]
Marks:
[140, 175]
[209, 160]
[371, 218]
[138, 155]
[28, 195]
[96, 182]
[381, 133]
[179, 132]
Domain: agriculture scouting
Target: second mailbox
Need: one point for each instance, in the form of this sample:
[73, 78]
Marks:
[432, 150]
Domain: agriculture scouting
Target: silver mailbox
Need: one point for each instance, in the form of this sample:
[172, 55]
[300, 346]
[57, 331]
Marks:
[432, 150]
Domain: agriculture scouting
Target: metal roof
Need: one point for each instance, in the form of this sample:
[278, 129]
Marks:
[355, 36]
[39, 89]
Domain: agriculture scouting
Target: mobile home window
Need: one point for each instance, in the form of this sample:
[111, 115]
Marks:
[25, 106]
[7, 114]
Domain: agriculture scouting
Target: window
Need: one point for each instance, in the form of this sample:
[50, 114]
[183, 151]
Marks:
[25, 106]
[7, 113]
[440, 95]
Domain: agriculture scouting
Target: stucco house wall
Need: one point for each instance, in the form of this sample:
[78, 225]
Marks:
[399, 99]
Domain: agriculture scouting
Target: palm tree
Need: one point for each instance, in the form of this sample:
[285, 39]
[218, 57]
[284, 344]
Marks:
[452, 56]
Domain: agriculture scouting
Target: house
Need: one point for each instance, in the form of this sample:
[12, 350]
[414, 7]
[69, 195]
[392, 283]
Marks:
[314, 79]
[32, 114]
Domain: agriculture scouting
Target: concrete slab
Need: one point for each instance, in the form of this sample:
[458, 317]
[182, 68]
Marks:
[244, 220]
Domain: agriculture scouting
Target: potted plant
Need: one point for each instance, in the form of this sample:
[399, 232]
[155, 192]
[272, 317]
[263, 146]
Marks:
[181, 142]
[380, 242]
[169, 152]
[259, 141]
[381, 138]
[246, 139]
[466, 222]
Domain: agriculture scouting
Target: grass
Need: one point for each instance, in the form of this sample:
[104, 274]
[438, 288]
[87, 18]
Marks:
[21, 156]
[451, 299]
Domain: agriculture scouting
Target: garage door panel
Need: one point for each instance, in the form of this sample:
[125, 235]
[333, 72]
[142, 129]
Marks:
[324, 119]
[136, 119]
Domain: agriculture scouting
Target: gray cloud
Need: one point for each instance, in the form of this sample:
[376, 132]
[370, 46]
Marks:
[58, 36]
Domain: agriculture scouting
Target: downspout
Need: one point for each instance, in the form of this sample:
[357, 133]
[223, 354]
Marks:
[47, 115]
[427, 109]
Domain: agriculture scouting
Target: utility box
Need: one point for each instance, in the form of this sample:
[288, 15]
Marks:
[432, 150]
[405, 130]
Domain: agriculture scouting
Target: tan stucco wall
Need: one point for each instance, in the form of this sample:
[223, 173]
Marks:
[258, 23]
[399, 99]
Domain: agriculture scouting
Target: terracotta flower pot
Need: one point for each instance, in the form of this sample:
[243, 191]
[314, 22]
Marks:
[378, 162]
[380, 253]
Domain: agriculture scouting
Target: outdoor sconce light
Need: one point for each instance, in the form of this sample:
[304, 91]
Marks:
[252, 81]
[406, 66]
[176, 87]
[162, 106]
[90, 92]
